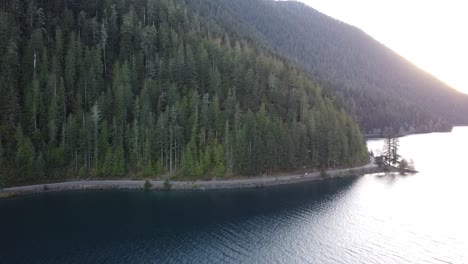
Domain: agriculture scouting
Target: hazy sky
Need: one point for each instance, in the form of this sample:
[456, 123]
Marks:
[432, 34]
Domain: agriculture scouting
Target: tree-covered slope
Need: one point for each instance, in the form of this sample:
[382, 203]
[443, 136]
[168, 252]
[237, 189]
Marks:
[379, 87]
[118, 87]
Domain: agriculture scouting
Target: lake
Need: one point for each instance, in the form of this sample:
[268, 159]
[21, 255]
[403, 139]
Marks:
[375, 218]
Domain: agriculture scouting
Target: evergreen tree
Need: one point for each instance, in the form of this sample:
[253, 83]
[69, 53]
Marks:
[95, 117]
[152, 88]
[394, 145]
[390, 153]
[1, 158]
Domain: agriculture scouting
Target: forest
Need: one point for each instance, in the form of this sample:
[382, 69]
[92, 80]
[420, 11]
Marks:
[382, 90]
[151, 88]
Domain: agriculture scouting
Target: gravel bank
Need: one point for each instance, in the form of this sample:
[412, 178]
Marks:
[254, 182]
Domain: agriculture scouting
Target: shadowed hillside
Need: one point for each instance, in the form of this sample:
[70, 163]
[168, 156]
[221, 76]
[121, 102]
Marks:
[379, 87]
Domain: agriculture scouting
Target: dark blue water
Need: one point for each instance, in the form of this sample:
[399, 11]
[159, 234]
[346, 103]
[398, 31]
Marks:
[373, 219]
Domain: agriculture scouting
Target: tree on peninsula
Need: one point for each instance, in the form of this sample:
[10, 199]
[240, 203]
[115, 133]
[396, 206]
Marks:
[391, 158]
[390, 153]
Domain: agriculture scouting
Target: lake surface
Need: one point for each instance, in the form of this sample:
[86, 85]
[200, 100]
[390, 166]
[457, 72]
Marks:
[419, 218]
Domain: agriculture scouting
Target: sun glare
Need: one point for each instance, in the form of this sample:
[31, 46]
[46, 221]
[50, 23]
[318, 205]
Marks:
[431, 34]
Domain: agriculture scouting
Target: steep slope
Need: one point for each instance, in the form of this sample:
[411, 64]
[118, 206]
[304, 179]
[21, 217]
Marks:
[379, 87]
[149, 88]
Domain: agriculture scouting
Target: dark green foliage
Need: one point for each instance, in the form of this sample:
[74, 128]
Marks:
[167, 185]
[379, 161]
[403, 165]
[381, 89]
[147, 186]
[151, 88]
[390, 153]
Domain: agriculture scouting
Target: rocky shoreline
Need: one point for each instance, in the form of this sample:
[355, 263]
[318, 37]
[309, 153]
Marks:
[255, 182]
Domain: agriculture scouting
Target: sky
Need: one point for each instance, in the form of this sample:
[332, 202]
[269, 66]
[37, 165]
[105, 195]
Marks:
[432, 34]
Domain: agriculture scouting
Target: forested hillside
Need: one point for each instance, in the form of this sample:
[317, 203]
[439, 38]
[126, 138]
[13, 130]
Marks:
[148, 88]
[379, 87]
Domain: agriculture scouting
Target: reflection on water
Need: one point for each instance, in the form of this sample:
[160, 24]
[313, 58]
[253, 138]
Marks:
[373, 219]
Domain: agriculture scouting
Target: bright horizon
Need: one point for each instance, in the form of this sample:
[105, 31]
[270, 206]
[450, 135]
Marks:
[432, 34]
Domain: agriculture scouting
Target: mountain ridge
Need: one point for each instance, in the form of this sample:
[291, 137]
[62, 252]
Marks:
[327, 48]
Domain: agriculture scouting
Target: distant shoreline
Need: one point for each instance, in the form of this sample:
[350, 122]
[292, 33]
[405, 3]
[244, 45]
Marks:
[255, 182]
[369, 136]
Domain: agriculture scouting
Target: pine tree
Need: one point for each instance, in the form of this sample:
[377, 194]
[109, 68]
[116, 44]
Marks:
[1, 158]
[150, 87]
[103, 43]
[390, 153]
[189, 164]
[95, 117]
[394, 145]
[25, 156]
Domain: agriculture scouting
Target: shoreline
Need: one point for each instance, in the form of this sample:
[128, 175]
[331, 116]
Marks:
[254, 182]
[381, 136]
